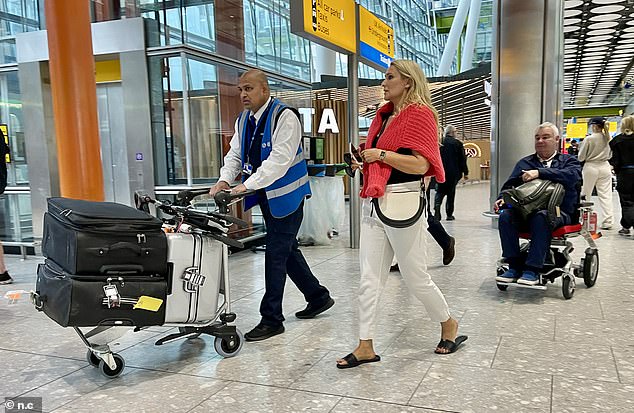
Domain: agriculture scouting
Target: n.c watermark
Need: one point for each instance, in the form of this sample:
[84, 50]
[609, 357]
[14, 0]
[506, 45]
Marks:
[23, 404]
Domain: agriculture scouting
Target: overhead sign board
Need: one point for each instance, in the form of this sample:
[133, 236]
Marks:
[576, 130]
[376, 40]
[330, 23]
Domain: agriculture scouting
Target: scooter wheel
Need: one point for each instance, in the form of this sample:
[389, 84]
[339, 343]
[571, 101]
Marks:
[502, 287]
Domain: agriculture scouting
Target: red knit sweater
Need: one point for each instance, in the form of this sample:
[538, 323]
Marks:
[414, 128]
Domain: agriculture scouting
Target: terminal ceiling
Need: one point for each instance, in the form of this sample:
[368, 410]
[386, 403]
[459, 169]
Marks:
[598, 52]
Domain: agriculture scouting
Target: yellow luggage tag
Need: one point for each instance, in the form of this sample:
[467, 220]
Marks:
[148, 303]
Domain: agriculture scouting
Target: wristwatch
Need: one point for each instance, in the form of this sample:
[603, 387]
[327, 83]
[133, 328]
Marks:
[382, 156]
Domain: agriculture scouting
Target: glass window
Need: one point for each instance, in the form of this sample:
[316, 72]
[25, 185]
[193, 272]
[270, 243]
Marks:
[206, 143]
[15, 207]
[198, 20]
[269, 43]
[166, 94]
[16, 223]
[163, 22]
[16, 16]
[11, 118]
[213, 103]
[102, 10]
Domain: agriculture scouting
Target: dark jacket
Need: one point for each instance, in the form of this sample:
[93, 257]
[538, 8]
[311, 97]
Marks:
[454, 159]
[4, 150]
[622, 153]
[564, 169]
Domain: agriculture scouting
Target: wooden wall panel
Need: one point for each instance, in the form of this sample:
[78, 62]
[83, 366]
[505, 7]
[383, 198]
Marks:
[335, 144]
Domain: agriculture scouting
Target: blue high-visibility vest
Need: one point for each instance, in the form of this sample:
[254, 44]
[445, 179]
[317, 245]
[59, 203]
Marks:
[287, 193]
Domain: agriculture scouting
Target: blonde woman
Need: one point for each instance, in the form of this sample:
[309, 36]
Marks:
[623, 162]
[595, 152]
[402, 148]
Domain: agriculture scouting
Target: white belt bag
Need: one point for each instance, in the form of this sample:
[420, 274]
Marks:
[402, 204]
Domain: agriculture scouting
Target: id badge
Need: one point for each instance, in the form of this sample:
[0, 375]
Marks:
[248, 169]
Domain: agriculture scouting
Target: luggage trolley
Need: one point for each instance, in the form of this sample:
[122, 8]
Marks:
[198, 275]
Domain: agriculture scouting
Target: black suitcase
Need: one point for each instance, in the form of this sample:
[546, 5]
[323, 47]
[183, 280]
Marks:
[82, 301]
[86, 237]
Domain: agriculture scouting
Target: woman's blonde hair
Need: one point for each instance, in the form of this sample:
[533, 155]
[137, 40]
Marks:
[627, 125]
[603, 130]
[418, 91]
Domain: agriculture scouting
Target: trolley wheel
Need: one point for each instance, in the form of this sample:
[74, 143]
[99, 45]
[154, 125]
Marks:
[229, 348]
[92, 358]
[108, 372]
[567, 287]
[502, 287]
[590, 267]
[185, 330]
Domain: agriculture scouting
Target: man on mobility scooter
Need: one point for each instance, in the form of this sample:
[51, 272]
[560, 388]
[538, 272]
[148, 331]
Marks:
[549, 165]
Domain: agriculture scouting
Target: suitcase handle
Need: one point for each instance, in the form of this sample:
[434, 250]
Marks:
[121, 246]
[119, 268]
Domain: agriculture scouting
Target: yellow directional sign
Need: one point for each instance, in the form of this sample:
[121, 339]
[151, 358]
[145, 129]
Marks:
[331, 23]
[376, 39]
[576, 130]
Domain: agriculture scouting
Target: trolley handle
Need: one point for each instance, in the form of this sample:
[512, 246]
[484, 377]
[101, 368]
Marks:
[225, 198]
[184, 198]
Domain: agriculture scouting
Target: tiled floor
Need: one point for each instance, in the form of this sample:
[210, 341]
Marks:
[527, 351]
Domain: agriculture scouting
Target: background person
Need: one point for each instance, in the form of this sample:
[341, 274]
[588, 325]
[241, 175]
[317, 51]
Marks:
[272, 162]
[597, 172]
[5, 278]
[454, 161]
[573, 149]
[623, 162]
[401, 148]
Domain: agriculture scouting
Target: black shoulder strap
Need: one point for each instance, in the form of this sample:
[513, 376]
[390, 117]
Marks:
[295, 111]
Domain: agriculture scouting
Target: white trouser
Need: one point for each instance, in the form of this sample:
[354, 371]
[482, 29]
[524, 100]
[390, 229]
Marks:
[378, 245]
[599, 174]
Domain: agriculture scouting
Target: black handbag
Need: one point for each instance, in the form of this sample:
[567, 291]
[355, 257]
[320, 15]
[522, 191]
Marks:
[534, 196]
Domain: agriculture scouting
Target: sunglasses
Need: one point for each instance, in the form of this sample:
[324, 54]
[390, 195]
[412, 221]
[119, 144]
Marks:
[347, 158]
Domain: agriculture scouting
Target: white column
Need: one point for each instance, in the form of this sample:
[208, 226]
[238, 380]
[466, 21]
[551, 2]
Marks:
[454, 36]
[470, 38]
[324, 62]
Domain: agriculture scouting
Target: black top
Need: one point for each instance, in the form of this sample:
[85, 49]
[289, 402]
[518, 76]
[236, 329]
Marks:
[622, 153]
[396, 176]
[454, 159]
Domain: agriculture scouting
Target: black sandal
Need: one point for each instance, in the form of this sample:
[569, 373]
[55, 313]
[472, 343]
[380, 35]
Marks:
[352, 361]
[452, 346]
